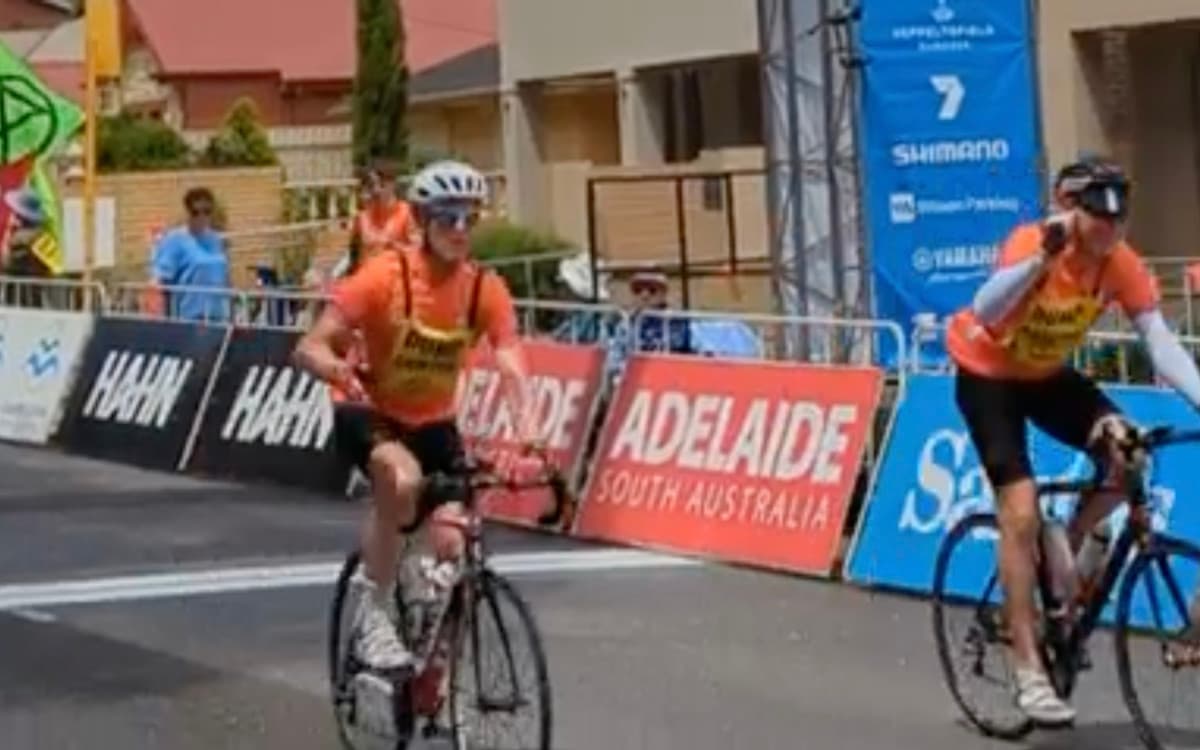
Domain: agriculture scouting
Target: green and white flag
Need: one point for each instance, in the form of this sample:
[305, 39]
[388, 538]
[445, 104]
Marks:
[34, 120]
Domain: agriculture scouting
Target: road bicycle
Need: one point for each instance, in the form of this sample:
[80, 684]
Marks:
[453, 639]
[1155, 567]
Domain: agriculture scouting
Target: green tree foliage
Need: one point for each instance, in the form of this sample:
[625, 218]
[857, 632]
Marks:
[241, 142]
[126, 143]
[380, 98]
[495, 241]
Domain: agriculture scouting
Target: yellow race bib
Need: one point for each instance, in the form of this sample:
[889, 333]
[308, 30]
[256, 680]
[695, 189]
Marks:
[1051, 330]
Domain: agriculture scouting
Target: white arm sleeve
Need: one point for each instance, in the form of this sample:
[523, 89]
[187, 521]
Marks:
[1001, 293]
[1171, 361]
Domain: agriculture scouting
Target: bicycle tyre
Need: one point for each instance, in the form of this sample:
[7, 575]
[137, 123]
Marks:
[334, 666]
[939, 598]
[1163, 548]
[402, 699]
[490, 589]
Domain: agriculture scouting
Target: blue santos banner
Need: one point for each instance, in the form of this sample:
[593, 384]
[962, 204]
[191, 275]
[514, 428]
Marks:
[930, 477]
[950, 147]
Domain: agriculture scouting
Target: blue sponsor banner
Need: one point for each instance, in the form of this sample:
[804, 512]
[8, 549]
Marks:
[951, 148]
[930, 477]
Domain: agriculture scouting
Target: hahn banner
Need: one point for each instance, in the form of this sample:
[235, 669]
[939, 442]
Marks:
[750, 462]
[566, 383]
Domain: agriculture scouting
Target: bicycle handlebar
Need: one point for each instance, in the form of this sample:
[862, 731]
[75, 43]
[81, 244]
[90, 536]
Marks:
[1164, 435]
[478, 474]
[1147, 440]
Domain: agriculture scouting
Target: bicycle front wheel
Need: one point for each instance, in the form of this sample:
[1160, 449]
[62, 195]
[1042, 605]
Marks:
[969, 628]
[500, 685]
[1156, 626]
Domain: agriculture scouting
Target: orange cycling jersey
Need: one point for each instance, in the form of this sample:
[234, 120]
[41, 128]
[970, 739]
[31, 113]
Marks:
[1034, 340]
[418, 329]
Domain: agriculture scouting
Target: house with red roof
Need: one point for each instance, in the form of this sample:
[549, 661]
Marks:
[17, 15]
[187, 63]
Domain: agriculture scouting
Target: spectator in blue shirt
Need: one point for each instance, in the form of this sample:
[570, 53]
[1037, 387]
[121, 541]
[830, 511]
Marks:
[194, 255]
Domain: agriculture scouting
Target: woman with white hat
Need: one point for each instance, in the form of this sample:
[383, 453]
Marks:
[26, 219]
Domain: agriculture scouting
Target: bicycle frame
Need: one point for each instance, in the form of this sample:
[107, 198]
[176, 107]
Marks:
[474, 560]
[1138, 531]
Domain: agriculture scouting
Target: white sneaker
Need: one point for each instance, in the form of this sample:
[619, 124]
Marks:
[378, 643]
[1037, 700]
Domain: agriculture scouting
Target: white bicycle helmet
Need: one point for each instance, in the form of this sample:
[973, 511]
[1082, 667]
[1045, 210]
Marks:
[448, 180]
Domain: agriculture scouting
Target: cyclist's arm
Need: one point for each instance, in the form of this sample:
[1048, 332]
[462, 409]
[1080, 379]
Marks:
[1137, 294]
[1171, 361]
[500, 326]
[355, 299]
[317, 351]
[1022, 263]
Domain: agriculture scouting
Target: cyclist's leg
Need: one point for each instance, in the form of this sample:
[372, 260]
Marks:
[1072, 409]
[995, 413]
[438, 447]
[377, 446]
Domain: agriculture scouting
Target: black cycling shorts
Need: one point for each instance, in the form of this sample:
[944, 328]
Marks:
[437, 447]
[1066, 406]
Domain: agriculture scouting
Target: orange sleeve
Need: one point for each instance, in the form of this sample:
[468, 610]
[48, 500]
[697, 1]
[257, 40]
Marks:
[1021, 243]
[1132, 283]
[363, 294]
[498, 315]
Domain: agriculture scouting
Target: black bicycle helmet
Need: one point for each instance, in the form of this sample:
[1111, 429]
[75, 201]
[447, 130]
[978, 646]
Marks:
[1098, 185]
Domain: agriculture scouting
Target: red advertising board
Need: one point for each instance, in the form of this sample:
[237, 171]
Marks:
[750, 462]
[566, 382]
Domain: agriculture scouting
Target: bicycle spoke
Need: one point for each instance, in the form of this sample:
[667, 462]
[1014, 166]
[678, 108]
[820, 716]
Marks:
[502, 699]
[969, 630]
[1165, 711]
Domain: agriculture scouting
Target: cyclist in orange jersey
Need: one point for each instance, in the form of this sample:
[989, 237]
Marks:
[419, 310]
[1011, 345]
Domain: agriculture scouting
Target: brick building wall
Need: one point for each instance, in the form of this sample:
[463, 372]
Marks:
[251, 198]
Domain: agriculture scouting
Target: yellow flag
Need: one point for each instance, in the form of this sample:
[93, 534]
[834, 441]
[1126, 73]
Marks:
[48, 245]
[104, 26]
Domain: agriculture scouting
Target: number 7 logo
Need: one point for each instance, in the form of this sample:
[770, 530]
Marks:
[952, 91]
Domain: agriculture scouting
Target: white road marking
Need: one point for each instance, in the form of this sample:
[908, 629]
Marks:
[34, 615]
[24, 596]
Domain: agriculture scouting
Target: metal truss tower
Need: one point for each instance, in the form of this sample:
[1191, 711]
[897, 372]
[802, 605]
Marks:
[810, 102]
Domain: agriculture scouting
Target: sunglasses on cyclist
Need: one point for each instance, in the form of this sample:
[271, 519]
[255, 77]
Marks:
[1106, 201]
[462, 218]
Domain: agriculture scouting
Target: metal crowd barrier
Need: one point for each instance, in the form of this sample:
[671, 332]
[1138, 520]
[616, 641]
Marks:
[247, 308]
[571, 322]
[775, 328]
[63, 295]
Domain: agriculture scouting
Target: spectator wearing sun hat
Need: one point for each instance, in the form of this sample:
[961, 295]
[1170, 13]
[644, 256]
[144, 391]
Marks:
[653, 331]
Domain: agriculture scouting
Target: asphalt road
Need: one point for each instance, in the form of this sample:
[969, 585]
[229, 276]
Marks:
[650, 655]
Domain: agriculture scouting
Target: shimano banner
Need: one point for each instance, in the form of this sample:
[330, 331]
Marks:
[951, 147]
[139, 390]
[930, 477]
[267, 419]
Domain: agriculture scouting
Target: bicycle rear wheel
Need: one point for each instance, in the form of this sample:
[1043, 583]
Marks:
[966, 587]
[498, 670]
[1153, 616]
